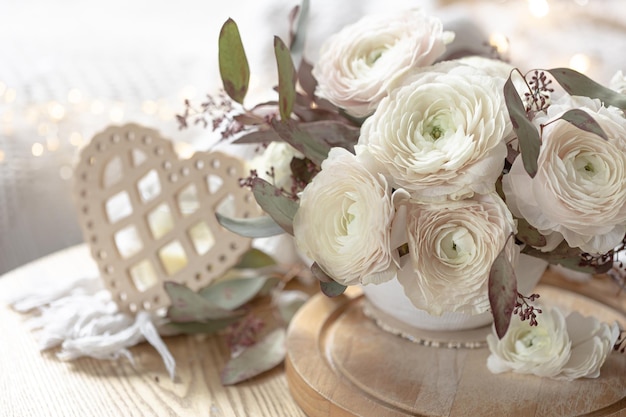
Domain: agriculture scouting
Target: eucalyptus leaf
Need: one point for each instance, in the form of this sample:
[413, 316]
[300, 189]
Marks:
[233, 63]
[527, 134]
[189, 306]
[306, 79]
[582, 120]
[529, 234]
[208, 327]
[255, 258]
[256, 227]
[259, 136]
[289, 302]
[320, 274]
[502, 292]
[332, 288]
[578, 84]
[281, 208]
[256, 359]
[286, 79]
[298, 32]
[333, 133]
[232, 294]
[303, 141]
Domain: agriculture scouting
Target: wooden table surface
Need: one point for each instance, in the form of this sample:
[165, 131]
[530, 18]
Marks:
[38, 384]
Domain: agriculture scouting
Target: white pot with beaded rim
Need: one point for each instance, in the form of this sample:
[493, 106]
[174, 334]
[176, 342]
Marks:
[389, 297]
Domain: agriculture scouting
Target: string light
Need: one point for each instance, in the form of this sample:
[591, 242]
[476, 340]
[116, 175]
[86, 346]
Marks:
[43, 129]
[37, 149]
[52, 143]
[56, 111]
[66, 172]
[97, 107]
[149, 107]
[116, 114]
[580, 63]
[500, 42]
[76, 139]
[187, 92]
[9, 95]
[2, 156]
[539, 8]
[184, 150]
[74, 96]
[3, 88]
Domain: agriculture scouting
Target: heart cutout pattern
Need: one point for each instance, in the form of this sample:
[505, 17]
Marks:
[149, 217]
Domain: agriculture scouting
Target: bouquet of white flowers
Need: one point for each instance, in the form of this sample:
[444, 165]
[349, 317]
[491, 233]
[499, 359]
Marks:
[437, 173]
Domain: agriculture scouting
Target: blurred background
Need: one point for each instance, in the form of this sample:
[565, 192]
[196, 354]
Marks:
[69, 68]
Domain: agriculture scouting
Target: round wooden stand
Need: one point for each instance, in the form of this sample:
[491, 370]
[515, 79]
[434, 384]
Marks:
[340, 363]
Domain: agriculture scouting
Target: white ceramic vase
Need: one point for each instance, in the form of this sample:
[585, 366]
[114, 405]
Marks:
[389, 298]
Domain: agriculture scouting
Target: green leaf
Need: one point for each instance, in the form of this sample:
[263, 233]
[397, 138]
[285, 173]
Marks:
[189, 306]
[527, 134]
[502, 292]
[529, 234]
[231, 294]
[332, 288]
[298, 31]
[209, 327]
[258, 358]
[568, 257]
[258, 136]
[256, 227]
[582, 120]
[306, 79]
[332, 133]
[255, 258]
[281, 208]
[286, 79]
[289, 302]
[233, 63]
[302, 140]
[578, 84]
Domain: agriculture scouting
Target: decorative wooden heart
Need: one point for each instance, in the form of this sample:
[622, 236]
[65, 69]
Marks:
[149, 217]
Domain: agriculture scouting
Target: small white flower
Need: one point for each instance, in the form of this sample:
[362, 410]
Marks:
[276, 156]
[440, 135]
[357, 64]
[344, 221]
[452, 246]
[618, 82]
[579, 191]
[558, 347]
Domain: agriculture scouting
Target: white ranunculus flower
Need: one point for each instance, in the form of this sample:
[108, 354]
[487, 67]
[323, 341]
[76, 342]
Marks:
[344, 221]
[558, 347]
[440, 135]
[357, 64]
[276, 156]
[452, 246]
[618, 82]
[541, 350]
[592, 341]
[579, 191]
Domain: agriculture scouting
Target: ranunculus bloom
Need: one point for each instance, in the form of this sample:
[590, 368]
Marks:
[558, 347]
[357, 64]
[579, 191]
[344, 221]
[277, 158]
[618, 82]
[440, 135]
[452, 246]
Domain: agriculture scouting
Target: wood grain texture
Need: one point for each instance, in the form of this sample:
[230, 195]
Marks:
[340, 363]
[38, 384]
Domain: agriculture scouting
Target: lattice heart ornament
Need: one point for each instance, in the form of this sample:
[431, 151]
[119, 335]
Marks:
[149, 217]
